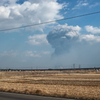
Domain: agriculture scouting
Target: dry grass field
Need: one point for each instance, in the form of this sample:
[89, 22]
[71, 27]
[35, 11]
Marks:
[68, 84]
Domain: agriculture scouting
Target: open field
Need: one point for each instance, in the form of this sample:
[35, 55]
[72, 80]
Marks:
[70, 84]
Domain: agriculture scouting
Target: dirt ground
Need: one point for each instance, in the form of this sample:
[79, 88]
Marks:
[81, 84]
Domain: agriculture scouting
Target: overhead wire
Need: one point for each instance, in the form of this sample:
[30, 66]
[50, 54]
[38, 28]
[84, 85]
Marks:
[51, 21]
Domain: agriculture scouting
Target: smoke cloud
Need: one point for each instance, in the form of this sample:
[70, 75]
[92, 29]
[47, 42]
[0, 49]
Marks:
[70, 46]
[63, 37]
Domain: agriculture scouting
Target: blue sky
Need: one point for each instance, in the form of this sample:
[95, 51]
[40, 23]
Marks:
[53, 45]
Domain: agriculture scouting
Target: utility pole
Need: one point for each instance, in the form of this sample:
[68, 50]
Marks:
[79, 66]
[74, 66]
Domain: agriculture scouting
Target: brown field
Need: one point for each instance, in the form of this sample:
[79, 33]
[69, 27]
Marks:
[84, 85]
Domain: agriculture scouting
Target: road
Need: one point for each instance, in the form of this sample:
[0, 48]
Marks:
[15, 96]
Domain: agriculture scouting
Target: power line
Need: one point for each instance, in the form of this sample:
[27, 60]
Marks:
[50, 21]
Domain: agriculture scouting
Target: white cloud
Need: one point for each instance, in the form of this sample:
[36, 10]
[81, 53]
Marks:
[4, 12]
[9, 53]
[46, 52]
[39, 39]
[13, 53]
[80, 3]
[35, 53]
[94, 5]
[84, 4]
[31, 54]
[7, 2]
[92, 29]
[90, 38]
[30, 12]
